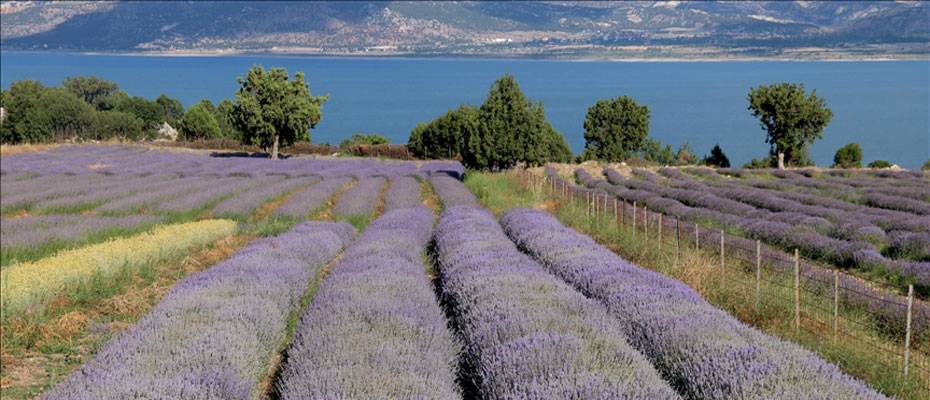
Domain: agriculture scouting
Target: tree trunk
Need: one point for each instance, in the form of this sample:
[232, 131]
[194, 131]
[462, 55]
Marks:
[781, 158]
[274, 148]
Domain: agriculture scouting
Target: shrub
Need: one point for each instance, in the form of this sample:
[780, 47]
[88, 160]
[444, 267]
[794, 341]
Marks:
[879, 164]
[199, 122]
[363, 139]
[717, 158]
[118, 124]
[848, 156]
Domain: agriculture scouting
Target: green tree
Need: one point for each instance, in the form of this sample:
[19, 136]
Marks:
[614, 129]
[199, 122]
[173, 109]
[93, 90]
[511, 130]
[848, 156]
[445, 136]
[272, 110]
[151, 113]
[20, 104]
[118, 124]
[879, 164]
[224, 117]
[717, 158]
[358, 139]
[926, 166]
[791, 118]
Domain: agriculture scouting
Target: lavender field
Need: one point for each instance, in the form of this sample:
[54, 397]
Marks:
[372, 279]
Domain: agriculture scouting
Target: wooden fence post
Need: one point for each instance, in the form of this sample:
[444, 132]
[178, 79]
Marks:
[660, 231]
[677, 241]
[907, 334]
[634, 219]
[797, 292]
[836, 303]
[587, 204]
[615, 213]
[758, 275]
[645, 225]
[697, 239]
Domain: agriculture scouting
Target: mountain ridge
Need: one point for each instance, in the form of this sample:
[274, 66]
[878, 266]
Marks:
[568, 29]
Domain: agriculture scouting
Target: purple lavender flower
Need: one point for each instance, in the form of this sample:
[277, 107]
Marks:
[360, 199]
[706, 352]
[375, 329]
[527, 334]
[213, 334]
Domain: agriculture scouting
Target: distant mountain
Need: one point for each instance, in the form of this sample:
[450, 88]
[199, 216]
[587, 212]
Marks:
[551, 28]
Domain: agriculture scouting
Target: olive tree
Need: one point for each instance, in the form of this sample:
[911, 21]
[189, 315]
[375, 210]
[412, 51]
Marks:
[848, 156]
[791, 118]
[273, 110]
[614, 129]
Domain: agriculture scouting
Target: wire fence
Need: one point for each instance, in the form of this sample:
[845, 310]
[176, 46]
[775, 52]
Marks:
[816, 300]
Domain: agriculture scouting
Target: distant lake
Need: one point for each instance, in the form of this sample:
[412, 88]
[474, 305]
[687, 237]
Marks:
[885, 106]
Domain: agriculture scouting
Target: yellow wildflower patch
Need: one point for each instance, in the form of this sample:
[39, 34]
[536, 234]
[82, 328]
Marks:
[31, 283]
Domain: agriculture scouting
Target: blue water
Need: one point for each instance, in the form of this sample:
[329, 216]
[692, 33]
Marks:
[885, 106]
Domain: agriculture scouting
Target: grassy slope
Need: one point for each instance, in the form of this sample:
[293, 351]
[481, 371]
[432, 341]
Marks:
[701, 271]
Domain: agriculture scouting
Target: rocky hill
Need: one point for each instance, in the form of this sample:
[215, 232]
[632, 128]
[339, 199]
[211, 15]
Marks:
[552, 28]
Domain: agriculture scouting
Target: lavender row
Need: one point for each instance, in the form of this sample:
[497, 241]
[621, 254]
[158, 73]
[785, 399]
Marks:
[706, 352]
[360, 199]
[306, 201]
[154, 193]
[779, 228]
[212, 191]
[885, 307]
[34, 231]
[403, 192]
[131, 160]
[247, 201]
[375, 329]
[214, 332]
[526, 333]
[103, 193]
[452, 192]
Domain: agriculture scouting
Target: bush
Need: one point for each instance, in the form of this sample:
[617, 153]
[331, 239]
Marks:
[926, 166]
[358, 139]
[199, 123]
[879, 164]
[118, 124]
[760, 163]
[717, 158]
[848, 156]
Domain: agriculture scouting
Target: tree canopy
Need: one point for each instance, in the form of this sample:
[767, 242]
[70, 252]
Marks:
[93, 90]
[199, 122]
[173, 109]
[445, 136]
[506, 130]
[511, 130]
[273, 110]
[717, 158]
[614, 129]
[791, 118]
[848, 156]
[359, 139]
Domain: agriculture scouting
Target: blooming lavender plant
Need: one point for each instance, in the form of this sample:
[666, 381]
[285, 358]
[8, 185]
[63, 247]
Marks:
[452, 192]
[306, 201]
[214, 332]
[375, 328]
[704, 351]
[247, 201]
[360, 199]
[34, 231]
[526, 333]
[402, 192]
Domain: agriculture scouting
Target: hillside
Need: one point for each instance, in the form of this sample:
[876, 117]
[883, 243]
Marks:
[548, 29]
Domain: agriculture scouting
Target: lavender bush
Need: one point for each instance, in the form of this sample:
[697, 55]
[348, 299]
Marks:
[213, 333]
[360, 199]
[452, 192]
[35, 231]
[247, 201]
[703, 351]
[375, 329]
[527, 334]
[306, 201]
[402, 192]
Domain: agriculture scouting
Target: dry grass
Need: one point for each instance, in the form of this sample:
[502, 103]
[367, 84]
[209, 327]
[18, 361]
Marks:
[73, 332]
[10, 149]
